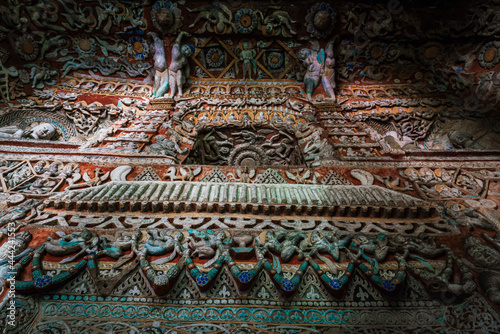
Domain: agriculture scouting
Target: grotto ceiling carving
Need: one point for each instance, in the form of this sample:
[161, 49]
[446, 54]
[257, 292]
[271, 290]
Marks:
[249, 166]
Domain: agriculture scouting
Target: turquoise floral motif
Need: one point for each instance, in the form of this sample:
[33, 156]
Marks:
[233, 313]
[246, 20]
[386, 317]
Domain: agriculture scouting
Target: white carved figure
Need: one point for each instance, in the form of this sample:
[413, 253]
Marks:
[42, 131]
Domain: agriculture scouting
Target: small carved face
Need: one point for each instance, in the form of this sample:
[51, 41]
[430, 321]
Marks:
[86, 235]
[460, 139]
[137, 235]
[425, 171]
[179, 236]
[362, 239]
[411, 173]
[302, 54]
[221, 236]
[328, 235]
[398, 238]
[165, 18]
[269, 29]
[315, 238]
[127, 101]
[69, 168]
[39, 166]
[38, 183]
[186, 50]
[54, 167]
[24, 235]
[44, 131]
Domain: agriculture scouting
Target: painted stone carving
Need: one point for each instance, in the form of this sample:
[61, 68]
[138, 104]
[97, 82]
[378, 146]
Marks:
[170, 147]
[487, 257]
[277, 23]
[179, 67]
[318, 66]
[166, 17]
[99, 177]
[43, 131]
[245, 20]
[161, 76]
[246, 56]
[208, 189]
[320, 20]
[216, 18]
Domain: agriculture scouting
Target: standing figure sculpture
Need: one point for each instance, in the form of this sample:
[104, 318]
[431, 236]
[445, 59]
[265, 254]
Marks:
[179, 66]
[328, 76]
[161, 70]
[176, 74]
[246, 56]
[318, 67]
[311, 64]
